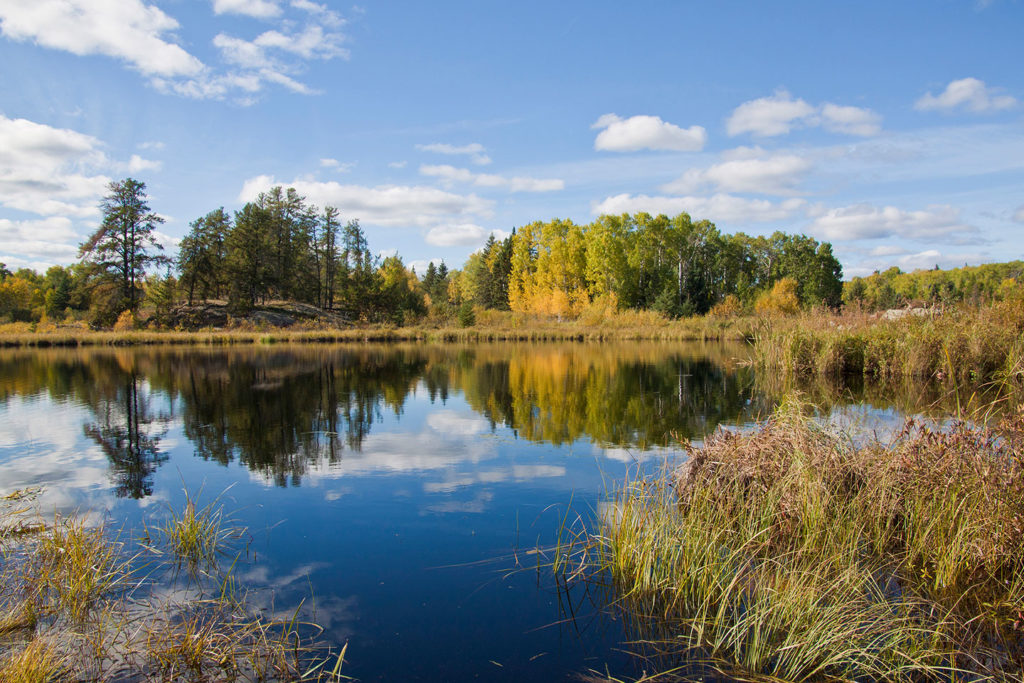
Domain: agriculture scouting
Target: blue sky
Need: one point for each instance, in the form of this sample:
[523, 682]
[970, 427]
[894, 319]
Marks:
[895, 130]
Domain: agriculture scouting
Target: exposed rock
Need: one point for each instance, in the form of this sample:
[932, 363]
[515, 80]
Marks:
[217, 315]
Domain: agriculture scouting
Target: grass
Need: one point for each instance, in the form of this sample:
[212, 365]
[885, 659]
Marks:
[38, 662]
[78, 603]
[491, 326]
[790, 553]
[965, 344]
[196, 535]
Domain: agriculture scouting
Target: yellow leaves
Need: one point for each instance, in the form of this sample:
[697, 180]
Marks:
[781, 299]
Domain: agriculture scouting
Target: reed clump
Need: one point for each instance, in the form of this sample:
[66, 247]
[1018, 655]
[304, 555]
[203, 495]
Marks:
[966, 343]
[196, 535]
[793, 552]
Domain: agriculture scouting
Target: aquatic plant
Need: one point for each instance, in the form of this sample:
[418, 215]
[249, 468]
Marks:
[793, 553]
[78, 603]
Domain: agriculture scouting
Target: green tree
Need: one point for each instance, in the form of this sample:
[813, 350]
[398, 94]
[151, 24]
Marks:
[124, 245]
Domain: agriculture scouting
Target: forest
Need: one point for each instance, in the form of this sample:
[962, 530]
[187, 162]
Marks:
[281, 247]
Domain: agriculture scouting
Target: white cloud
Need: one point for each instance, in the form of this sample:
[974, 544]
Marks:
[1018, 215]
[345, 167]
[398, 164]
[461, 234]
[723, 208]
[776, 174]
[646, 132]
[386, 205]
[452, 174]
[850, 120]
[968, 93]
[142, 36]
[152, 144]
[887, 250]
[779, 113]
[863, 221]
[128, 30]
[768, 116]
[50, 171]
[322, 12]
[473, 150]
[38, 243]
[137, 164]
[260, 9]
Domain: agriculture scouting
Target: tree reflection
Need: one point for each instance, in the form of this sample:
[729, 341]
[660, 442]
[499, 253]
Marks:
[123, 433]
[281, 411]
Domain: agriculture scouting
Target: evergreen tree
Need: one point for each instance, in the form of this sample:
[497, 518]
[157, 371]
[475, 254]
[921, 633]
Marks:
[124, 246]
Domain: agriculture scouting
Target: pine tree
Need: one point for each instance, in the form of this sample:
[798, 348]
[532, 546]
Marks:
[124, 246]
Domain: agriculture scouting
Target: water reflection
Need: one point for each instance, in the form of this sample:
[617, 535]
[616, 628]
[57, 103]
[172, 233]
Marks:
[283, 412]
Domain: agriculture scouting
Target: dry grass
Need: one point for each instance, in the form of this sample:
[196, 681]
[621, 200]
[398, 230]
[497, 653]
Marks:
[38, 662]
[77, 603]
[966, 344]
[792, 553]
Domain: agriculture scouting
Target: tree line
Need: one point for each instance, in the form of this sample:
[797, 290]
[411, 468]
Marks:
[281, 247]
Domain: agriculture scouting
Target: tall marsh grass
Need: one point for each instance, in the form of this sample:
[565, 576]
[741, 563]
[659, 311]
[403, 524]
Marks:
[792, 553]
[968, 344]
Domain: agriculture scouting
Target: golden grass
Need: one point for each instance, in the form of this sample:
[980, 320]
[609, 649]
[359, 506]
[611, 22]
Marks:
[81, 587]
[791, 553]
[37, 662]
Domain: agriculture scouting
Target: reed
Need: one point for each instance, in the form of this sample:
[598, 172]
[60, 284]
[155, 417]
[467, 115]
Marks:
[791, 553]
[196, 535]
[966, 344]
[78, 603]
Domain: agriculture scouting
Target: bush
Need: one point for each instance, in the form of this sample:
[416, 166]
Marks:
[125, 322]
[781, 299]
[467, 316]
[727, 308]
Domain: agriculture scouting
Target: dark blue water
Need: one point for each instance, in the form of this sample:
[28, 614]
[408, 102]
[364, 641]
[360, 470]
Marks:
[398, 493]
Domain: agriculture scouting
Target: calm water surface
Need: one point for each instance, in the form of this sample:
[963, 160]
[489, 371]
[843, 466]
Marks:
[395, 485]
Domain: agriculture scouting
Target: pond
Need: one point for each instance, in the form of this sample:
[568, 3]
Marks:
[399, 491]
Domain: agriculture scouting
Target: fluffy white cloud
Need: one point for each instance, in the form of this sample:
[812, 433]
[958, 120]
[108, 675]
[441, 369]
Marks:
[967, 93]
[776, 174]
[50, 171]
[768, 116]
[461, 234]
[723, 208]
[398, 164]
[125, 29]
[142, 36]
[779, 113]
[850, 120]
[1018, 215]
[474, 151]
[38, 243]
[385, 205]
[137, 164]
[514, 184]
[646, 132]
[863, 221]
[261, 9]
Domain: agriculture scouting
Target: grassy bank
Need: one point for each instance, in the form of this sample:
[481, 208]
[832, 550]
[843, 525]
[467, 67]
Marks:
[491, 326]
[791, 553]
[80, 603]
[964, 344]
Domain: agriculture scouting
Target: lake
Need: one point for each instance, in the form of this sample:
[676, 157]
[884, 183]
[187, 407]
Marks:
[400, 491]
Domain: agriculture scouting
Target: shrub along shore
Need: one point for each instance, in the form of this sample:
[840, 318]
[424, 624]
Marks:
[793, 553]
